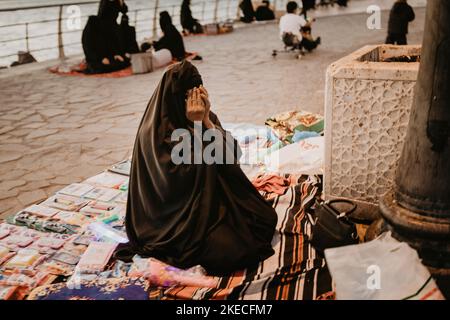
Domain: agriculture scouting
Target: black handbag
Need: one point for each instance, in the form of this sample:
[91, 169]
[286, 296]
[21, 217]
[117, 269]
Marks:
[332, 228]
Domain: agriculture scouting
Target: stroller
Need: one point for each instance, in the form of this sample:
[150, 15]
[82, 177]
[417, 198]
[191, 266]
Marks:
[291, 45]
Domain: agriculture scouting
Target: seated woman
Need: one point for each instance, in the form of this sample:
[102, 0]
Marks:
[263, 12]
[101, 39]
[172, 39]
[128, 36]
[189, 24]
[191, 214]
[248, 12]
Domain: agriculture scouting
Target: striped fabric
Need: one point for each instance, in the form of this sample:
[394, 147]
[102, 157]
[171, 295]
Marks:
[294, 272]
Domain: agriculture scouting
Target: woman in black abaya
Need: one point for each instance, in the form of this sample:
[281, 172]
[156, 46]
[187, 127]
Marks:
[188, 22]
[172, 39]
[190, 214]
[246, 7]
[101, 40]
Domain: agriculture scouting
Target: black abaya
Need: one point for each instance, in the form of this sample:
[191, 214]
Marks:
[246, 7]
[187, 20]
[172, 39]
[190, 214]
[101, 39]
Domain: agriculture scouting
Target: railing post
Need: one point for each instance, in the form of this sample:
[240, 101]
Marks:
[61, 54]
[216, 8]
[136, 17]
[27, 42]
[203, 10]
[155, 19]
[228, 9]
[238, 11]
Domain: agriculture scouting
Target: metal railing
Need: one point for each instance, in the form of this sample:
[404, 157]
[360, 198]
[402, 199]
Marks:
[144, 19]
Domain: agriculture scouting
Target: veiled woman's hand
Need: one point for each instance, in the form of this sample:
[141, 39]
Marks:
[198, 106]
[205, 98]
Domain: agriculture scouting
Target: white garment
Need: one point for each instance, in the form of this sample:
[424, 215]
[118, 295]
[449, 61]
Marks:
[303, 157]
[292, 23]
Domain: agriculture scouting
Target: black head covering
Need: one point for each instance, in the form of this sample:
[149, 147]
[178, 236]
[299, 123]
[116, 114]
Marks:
[165, 21]
[190, 214]
[109, 9]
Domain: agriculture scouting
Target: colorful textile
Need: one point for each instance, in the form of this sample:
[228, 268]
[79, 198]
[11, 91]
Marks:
[285, 124]
[271, 183]
[295, 271]
[77, 69]
[99, 289]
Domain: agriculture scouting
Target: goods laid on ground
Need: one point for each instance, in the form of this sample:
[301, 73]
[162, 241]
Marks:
[62, 248]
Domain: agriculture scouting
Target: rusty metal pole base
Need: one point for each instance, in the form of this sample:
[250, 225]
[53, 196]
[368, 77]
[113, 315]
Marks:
[430, 236]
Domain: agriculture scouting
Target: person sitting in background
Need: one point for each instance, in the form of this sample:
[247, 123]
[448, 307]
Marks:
[401, 14]
[189, 24]
[171, 39]
[291, 25]
[246, 7]
[101, 41]
[263, 12]
[128, 36]
[342, 3]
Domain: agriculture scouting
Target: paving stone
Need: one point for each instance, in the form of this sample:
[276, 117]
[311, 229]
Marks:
[48, 113]
[8, 194]
[30, 197]
[5, 129]
[7, 185]
[9, 156]
[41, 133]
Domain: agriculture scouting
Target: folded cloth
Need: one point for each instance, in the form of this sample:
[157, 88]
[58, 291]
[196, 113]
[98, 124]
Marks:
[286, 123]
[271, 183]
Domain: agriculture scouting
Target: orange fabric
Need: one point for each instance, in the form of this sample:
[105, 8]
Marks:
[77, 70]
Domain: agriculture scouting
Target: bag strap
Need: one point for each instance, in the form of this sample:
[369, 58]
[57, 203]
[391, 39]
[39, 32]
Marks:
[344, 213]
[347, 214]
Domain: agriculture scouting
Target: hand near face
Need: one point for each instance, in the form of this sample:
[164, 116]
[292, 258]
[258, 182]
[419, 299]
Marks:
[198, 106]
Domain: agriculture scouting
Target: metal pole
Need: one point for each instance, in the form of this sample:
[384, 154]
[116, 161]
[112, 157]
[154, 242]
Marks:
[155, 19]
[203, 10]
[418, 209]
[61, 54]
[216, 8]
[27, 40]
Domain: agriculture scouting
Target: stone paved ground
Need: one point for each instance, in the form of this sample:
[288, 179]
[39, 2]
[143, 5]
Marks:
[57, 130]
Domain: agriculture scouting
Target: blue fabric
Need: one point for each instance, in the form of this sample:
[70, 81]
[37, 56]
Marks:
[99, 289]
[300, 135]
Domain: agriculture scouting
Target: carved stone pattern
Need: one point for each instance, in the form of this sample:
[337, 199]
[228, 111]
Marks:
[369, 123]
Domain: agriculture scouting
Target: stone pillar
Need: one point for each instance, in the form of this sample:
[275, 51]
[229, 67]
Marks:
[418, 209]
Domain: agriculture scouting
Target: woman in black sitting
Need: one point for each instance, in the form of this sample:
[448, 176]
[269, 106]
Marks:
[101, 41]
[172, 39]
[189, 24]
[188, 214]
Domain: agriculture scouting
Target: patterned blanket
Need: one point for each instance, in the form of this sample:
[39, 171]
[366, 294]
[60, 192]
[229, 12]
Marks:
[294, 272]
